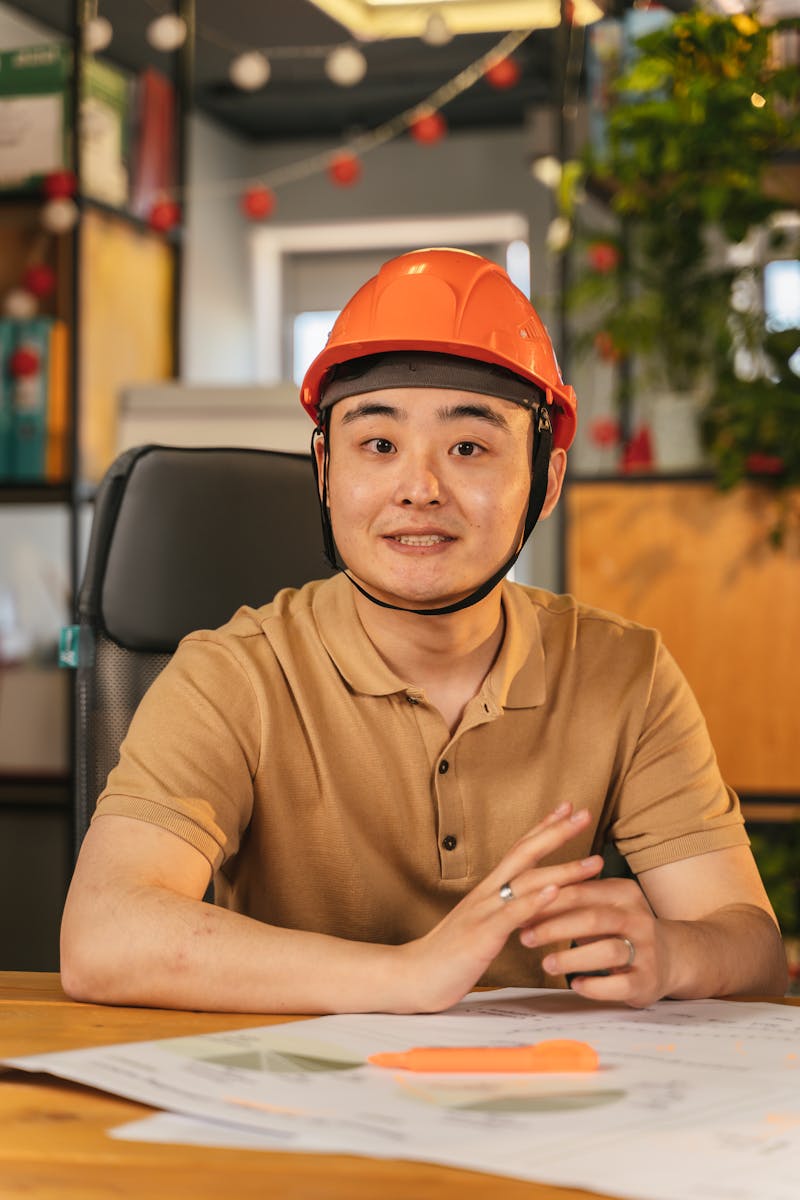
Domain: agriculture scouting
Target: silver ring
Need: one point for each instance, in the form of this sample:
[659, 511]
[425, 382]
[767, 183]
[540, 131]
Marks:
[506, 893]
[631, 950]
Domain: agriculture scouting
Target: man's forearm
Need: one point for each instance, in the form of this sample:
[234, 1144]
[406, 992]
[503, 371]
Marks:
[736, 950]
[156, 948]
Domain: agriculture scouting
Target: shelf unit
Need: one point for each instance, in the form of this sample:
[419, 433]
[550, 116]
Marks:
[36, 811]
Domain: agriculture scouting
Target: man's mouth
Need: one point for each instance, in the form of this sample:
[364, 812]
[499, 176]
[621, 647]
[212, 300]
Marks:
[420, 539]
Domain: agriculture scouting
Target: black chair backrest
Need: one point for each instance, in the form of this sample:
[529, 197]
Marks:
[181, 538]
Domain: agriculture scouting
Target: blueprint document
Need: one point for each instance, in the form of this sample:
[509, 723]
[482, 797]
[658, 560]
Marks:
[694, 1100]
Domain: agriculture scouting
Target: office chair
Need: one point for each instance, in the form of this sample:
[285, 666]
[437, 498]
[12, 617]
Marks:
[180, 539]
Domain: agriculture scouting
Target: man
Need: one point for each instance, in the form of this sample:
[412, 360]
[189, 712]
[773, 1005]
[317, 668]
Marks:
[399, 779]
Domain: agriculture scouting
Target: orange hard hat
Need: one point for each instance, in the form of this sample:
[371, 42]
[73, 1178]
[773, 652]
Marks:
[449, 302]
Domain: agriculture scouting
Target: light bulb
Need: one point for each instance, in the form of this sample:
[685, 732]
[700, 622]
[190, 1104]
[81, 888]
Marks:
[346, 66]
[97, 34]
[167, 32]
[250, 71]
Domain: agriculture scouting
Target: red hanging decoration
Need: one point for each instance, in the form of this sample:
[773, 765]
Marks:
[604, 431]
[638, 454]
[429, 128]
[164, 215]
[24, 363]
[258, 202]
[603, 257]
[344, 169]
[59, 185]
[503, 74]
[39, 280]
[606, 347]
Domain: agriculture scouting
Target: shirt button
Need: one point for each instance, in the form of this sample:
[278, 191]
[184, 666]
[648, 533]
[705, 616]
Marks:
[449, 842]
[412, 699]
[444, 767]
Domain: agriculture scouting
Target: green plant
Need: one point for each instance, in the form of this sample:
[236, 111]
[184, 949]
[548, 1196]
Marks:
[700, 119]
[776, 849]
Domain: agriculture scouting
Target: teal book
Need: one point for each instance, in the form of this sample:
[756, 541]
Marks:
[29, 406]
[6, 399]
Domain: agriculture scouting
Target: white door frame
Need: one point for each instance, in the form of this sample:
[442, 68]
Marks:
[271, 244]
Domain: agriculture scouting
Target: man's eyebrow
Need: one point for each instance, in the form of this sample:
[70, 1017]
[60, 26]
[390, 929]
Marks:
[369, 408]
[481, 411]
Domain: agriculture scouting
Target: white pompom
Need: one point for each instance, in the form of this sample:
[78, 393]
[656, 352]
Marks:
[250, 71]
[167, 32]
[19, 304]
[346, 65]
[97, 34]
[59, 216]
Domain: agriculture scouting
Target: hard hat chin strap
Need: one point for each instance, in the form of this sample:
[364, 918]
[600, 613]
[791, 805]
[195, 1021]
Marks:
[542, 444]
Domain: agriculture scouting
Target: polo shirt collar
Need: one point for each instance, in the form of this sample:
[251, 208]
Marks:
[517, 679]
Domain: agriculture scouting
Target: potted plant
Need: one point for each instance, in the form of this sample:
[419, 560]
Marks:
[699, 122]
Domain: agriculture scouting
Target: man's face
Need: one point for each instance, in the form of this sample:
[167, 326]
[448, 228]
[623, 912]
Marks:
[428, 490]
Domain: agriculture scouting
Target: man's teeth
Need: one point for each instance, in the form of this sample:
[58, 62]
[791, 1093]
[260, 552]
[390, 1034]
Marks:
[428, 539]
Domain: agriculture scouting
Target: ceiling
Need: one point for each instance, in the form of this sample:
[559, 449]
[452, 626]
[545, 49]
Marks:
[299, 101]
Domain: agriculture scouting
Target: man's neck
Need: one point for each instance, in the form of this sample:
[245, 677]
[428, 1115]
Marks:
[448, 657]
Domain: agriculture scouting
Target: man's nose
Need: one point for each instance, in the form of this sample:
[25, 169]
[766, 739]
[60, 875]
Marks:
[419, 483]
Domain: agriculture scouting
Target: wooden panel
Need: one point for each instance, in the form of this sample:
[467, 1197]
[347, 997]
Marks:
[697, 565]
[127, 279]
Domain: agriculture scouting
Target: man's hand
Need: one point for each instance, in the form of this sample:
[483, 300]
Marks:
[604, 918]
[699, 927]
[448, 961]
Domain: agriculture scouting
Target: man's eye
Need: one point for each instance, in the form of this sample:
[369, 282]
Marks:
[466, 449]
[380, 445]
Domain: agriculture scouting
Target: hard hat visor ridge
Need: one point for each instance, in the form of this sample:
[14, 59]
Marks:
[450, 302]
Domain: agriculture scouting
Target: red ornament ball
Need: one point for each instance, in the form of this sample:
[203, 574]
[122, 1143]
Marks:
[258, 202]
[503, 74]
[605, 431]
[345, 169]
[603, 257]
[24, 363]
[429, 128]
[59, 185]
[606, 347]
[164, 215]
[39, 280]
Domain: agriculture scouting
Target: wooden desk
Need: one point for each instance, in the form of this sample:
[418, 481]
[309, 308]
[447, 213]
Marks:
[53, 1143]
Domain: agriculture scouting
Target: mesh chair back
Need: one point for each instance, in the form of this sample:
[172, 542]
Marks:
[181, 538]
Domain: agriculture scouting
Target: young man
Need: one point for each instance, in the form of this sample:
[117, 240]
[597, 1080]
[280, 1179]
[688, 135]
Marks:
[400, 778]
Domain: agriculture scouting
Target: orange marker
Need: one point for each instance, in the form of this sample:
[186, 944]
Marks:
[555, 1055]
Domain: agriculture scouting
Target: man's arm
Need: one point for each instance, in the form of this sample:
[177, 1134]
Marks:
[701, 927]
[136, 931]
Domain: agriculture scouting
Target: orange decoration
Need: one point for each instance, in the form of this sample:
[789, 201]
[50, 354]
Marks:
[59, 185]
[23, 363]
[258, 202]
[503, 74]
[39, 280]
[429, 128]
[606, 348]
[164, 215]
[345, 169]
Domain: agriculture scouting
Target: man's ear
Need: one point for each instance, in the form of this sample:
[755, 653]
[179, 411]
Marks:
[319, 458]
[556, 472]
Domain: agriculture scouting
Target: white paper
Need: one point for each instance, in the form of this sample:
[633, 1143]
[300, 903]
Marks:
[694, 1100]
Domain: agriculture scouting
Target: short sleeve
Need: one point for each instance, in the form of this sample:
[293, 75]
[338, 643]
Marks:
[672, 802]
[188, 760]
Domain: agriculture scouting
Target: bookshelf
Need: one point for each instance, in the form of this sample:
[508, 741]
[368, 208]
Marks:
[117, 296]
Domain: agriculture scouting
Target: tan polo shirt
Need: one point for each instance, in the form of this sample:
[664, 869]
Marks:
[328, 795]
